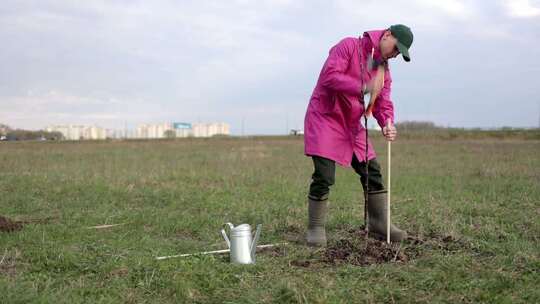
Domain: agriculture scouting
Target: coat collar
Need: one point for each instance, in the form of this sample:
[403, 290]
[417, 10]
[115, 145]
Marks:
[374, 37]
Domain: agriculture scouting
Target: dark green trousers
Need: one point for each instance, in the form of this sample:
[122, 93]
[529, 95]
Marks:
[325, 172]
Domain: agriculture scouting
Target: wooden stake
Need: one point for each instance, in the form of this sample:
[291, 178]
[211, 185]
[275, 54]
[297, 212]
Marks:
[105, 226]
[388, 196]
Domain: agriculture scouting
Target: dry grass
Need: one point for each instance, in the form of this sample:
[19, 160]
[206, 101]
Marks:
[174, 195]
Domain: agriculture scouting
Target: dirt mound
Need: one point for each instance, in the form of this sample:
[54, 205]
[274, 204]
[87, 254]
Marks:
[353, 247]
[357, 249]
[7, 225]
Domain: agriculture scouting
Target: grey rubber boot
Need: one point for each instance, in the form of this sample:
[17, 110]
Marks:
[378, 219]
[316, 233]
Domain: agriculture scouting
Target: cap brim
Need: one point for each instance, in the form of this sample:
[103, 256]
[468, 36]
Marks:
[404, 51]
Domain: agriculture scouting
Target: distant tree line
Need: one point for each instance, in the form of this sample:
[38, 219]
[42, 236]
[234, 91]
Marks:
[427, 129]
[416, 125]
[7, 133]
[430, 126]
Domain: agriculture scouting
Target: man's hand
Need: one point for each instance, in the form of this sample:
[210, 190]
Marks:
[389, 131]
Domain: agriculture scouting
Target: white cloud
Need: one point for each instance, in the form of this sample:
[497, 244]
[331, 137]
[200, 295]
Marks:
[521, 8]
[38, 102]
[454, 8]
[159, 60]
[426, 15]
[38, 111]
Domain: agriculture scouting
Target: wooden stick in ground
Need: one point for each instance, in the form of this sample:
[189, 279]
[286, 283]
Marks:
[105, 226]
[366, 191]
[388, 196]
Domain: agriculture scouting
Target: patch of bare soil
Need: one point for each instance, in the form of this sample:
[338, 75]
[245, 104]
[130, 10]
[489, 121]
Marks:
[7, 225]
[356, 248]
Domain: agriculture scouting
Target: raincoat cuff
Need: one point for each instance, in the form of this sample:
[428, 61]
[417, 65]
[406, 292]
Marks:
[382, 121]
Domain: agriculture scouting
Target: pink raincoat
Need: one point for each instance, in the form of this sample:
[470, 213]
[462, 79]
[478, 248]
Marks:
[332, 126]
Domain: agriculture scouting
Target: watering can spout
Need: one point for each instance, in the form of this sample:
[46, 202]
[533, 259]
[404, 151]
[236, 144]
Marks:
[254, 243]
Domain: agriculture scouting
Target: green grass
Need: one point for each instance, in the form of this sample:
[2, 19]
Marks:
[174, 196]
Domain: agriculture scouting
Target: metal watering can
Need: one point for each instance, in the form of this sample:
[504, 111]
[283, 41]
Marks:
[241, 244]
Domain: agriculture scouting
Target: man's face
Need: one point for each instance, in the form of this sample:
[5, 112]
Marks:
[388, 46]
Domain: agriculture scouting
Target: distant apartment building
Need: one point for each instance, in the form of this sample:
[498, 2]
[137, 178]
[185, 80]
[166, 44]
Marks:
[182, 129]
[78, 132]
[210, 129]
[116, 134]
[153, 130]
[161, 130]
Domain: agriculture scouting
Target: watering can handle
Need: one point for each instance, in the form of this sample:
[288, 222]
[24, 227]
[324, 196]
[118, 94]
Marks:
[254, 243]
[231, 226]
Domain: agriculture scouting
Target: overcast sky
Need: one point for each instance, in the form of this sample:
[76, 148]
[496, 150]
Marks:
[111, 63]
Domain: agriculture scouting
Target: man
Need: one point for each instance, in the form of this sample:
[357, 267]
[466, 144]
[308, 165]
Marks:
[332, 129]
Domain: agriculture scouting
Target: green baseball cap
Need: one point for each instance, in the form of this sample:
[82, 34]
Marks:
[404, 38]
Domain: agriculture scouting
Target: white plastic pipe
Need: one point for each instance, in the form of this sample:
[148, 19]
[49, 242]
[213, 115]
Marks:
[212, 252]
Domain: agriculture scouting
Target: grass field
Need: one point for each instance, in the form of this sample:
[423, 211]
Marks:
[480, 195]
